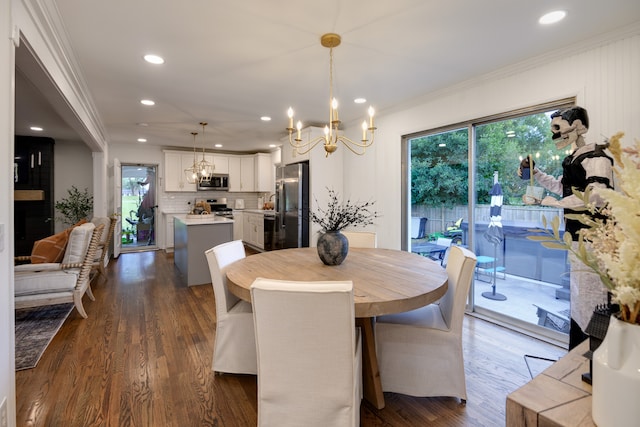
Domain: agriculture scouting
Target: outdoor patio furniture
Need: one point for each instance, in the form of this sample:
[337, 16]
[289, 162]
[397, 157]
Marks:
[552, 320]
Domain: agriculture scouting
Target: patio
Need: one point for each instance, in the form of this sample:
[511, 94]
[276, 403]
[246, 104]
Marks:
[523, 297]
[529, 300]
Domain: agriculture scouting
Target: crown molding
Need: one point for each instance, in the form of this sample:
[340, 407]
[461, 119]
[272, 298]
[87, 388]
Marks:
[44, 35]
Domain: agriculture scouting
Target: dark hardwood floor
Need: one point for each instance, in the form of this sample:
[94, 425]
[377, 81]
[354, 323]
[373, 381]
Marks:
[143, 358]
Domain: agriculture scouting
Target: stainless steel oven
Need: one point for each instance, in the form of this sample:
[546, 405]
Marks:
[219, 208]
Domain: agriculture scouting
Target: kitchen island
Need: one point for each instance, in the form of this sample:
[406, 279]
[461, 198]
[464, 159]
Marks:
[192, 237]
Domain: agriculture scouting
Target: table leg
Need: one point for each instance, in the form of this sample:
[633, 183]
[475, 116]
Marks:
[370, 374]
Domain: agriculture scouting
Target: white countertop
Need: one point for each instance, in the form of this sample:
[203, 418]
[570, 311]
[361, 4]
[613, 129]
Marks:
[174, 211]
[206, 219]
[260, 211]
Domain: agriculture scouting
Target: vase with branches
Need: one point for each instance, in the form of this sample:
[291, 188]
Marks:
[332, 245]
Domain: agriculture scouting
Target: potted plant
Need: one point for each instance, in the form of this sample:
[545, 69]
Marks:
[332, 245]
[127, 235]
[75, 207]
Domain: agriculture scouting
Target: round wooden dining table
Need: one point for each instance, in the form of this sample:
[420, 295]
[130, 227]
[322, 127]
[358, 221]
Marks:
[385, 281]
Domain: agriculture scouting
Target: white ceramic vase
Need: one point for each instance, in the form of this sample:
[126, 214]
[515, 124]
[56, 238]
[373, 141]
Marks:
[616, 376]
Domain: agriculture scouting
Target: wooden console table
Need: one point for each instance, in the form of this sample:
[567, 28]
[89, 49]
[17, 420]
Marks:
[557, 397]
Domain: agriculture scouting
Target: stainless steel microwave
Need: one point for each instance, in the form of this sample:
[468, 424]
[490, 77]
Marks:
[218, 182]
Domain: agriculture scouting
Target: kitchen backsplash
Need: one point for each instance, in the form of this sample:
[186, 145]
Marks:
[178, 202]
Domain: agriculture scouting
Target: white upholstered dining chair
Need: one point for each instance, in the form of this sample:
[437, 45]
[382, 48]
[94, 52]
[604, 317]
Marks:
[234, 348]
[361, 239]
[420, 351]
[309, 354]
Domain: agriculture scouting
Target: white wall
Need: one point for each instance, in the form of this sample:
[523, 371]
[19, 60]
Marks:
[603, 74]
[73, 165]
[7, 354]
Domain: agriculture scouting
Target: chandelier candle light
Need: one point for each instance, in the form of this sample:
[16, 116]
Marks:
[331, 136]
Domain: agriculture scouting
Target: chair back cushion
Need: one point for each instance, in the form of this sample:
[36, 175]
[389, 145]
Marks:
[305, 339]
[78, 243]
[219, 258]
[51, 249]
[97, 220]
[460, 268]
[361, 239]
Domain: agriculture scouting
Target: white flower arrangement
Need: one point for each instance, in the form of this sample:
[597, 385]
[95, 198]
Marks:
[610, 246]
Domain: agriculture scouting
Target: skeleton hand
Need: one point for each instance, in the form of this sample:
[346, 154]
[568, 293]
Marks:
[550, 201]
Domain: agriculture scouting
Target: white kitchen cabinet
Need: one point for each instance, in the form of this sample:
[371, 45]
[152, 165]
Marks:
[264, 173]
[253, 229]
[234, 173]
[220, 163]
[259, 221]
[238, 225]
[175, 162]
[168, 236]
[248, 231]
[253, 173]
[242, 173]
[247, 173]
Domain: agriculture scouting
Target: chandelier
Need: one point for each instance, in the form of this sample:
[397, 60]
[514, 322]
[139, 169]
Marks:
[331, 135]
[199, 171]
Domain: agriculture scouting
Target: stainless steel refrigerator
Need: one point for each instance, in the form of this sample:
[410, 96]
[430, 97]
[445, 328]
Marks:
[292, 206]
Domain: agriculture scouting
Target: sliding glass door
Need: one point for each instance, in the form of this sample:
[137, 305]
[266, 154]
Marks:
[463, 187]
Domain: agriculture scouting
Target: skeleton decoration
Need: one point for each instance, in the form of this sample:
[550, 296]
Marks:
[588, 165]
[568, 126]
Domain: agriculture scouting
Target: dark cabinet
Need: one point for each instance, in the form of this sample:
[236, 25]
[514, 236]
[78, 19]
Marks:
[33, 191]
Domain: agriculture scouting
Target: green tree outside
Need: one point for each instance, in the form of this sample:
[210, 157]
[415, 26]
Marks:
[439, 162]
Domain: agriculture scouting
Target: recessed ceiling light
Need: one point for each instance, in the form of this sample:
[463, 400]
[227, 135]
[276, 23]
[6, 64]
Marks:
[154, 59]
[142, 140]
[552, 17]
[265, 118]
[147, 102]
[218, 145]
[360, 100]
[272, 145]
[36, 128]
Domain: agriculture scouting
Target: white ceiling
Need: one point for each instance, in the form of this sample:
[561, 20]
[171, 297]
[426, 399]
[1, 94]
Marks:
[229, 63]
